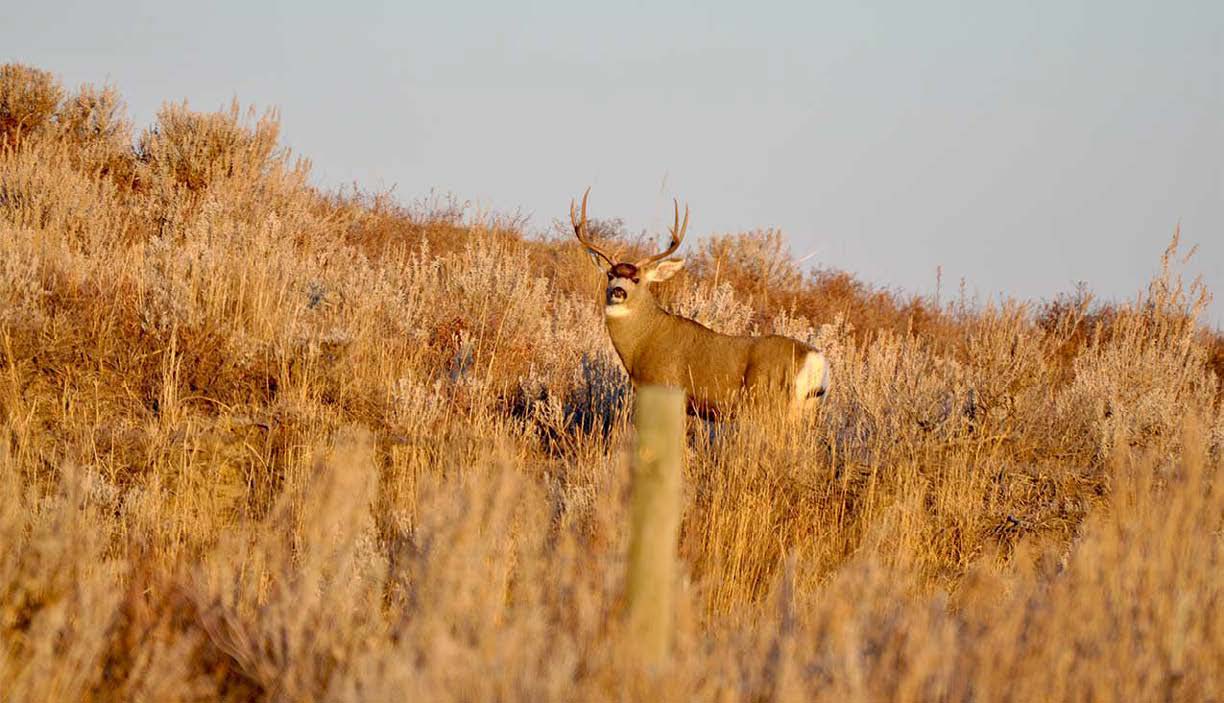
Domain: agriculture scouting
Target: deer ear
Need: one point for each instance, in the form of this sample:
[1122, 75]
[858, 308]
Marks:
[664, 270]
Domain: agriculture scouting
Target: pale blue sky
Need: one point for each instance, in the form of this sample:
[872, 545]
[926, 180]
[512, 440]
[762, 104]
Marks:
[1021, 148]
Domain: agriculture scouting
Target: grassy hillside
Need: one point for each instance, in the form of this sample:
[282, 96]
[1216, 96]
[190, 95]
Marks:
[260, 442]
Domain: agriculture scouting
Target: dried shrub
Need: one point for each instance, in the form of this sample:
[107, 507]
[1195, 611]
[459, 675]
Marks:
[29, 99]
[194, 150]
[94, 122]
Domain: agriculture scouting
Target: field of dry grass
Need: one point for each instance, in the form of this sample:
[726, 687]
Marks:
[260, 442]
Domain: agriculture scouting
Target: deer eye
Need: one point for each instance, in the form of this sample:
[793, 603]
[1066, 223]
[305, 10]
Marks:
[634, 279]
[610, 276]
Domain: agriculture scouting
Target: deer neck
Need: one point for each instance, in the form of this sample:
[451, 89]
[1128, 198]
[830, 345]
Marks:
[632, 329]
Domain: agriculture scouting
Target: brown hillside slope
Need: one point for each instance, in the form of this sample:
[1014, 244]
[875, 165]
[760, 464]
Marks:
[259, 442]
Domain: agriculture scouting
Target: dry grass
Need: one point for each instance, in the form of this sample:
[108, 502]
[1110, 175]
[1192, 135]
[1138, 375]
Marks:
[263, 443]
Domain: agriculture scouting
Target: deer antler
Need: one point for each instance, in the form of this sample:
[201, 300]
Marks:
[580, 230]
[677, 236]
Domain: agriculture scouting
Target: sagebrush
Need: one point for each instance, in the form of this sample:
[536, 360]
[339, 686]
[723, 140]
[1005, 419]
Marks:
[263, 442]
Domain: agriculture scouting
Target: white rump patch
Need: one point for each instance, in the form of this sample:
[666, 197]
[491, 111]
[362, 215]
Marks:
[616, 310]
[812, 379]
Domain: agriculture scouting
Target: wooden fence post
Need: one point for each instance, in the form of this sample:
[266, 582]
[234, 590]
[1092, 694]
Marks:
[658, 419]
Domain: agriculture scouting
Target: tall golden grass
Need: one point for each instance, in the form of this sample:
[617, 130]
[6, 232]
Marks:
[259, 442]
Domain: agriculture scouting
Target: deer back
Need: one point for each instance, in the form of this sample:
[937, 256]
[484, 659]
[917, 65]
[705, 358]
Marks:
[716, 369]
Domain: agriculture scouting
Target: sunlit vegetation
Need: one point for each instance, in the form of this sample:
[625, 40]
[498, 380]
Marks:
[264, 442]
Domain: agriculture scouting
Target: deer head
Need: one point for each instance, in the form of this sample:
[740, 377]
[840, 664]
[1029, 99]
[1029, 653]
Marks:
[628, 287]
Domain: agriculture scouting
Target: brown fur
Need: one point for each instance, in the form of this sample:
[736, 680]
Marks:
[716, 370]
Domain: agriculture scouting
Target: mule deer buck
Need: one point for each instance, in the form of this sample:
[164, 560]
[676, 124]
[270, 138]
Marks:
[661, 348]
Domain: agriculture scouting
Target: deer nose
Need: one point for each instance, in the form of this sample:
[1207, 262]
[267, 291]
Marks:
[617, 295]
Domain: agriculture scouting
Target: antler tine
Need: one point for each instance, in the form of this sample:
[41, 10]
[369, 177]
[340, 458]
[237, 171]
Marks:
[677, 236]
[581, 226]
